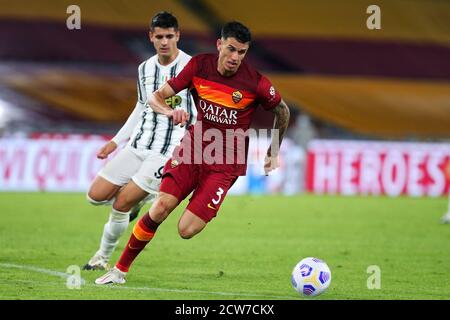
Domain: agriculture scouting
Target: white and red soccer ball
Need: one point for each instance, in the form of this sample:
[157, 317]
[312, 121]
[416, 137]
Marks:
[311, 277]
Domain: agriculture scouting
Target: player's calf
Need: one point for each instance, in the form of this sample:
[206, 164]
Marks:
[130, 198]
[123, 204]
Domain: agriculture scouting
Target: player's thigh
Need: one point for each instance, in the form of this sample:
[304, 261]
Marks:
[122, 167]
[148, 177]
[130, 195]
[190, 224]
[210, 193]
[179, 179]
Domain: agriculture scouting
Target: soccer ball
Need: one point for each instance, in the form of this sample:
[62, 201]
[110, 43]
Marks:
[311, 277]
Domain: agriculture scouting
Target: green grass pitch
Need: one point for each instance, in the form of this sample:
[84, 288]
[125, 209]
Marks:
[247, 252]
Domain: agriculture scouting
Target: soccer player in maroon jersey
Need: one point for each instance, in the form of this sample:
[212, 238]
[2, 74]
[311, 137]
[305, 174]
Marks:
[226, 92]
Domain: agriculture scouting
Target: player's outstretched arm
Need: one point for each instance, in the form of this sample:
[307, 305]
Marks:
[157, 102]
[280, 125]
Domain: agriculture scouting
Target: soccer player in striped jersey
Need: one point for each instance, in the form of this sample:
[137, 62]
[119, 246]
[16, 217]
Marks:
[133, 176]
[227, 92]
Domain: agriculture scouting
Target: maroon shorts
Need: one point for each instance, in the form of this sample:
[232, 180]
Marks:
[210, 187]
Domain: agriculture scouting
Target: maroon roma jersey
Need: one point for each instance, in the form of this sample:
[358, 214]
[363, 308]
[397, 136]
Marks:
[225, 104]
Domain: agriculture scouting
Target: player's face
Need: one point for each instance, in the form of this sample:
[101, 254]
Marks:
[231, 54]
[165, 41]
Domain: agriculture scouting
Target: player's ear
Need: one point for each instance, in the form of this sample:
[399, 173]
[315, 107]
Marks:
[219, 44]
[177, 35]
[150, 36]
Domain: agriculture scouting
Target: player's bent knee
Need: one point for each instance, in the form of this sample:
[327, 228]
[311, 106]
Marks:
[121, 204]
[166, 203]
[187, 233]
[161, 208]
[189, 225]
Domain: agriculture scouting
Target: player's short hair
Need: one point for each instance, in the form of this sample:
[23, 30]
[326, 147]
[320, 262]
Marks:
[164, 20]
[236, 30]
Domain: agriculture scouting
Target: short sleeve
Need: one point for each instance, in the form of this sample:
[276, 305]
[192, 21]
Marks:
[268, 96]
[184, 79]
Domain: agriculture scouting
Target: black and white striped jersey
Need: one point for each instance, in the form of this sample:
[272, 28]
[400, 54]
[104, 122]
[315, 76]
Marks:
[150, 130]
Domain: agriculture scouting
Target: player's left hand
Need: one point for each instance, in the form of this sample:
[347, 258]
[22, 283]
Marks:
[106, 150]
[270, 163]
[180, 117]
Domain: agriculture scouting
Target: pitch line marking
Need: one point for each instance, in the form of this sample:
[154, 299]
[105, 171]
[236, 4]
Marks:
[114, 287]
[37, 269]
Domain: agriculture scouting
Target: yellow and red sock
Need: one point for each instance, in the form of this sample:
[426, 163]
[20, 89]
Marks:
[143, 232]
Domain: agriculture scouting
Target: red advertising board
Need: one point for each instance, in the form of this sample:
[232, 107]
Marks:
[378, 168]
[50, 163]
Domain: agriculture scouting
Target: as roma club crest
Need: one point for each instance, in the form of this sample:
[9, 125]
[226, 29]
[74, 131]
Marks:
[173, 163]
[237, 96]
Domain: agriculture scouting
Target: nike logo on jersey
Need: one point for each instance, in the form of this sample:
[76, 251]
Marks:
[211, 207]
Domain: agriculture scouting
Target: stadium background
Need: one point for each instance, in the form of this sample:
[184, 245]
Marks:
[370, 109]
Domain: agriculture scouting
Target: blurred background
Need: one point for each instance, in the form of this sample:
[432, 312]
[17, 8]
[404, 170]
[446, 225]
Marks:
[370, 109]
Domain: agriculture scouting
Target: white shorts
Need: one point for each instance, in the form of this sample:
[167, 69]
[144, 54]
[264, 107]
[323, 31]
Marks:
[144, 167]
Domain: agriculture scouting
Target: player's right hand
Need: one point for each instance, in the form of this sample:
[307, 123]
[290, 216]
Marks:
[270, 163]
[179, 116]
[106, 150]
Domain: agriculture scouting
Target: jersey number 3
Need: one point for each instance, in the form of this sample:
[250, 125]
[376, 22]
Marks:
[219, 195]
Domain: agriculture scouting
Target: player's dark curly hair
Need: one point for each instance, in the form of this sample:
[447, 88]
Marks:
[236, 30]
[164, 20]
